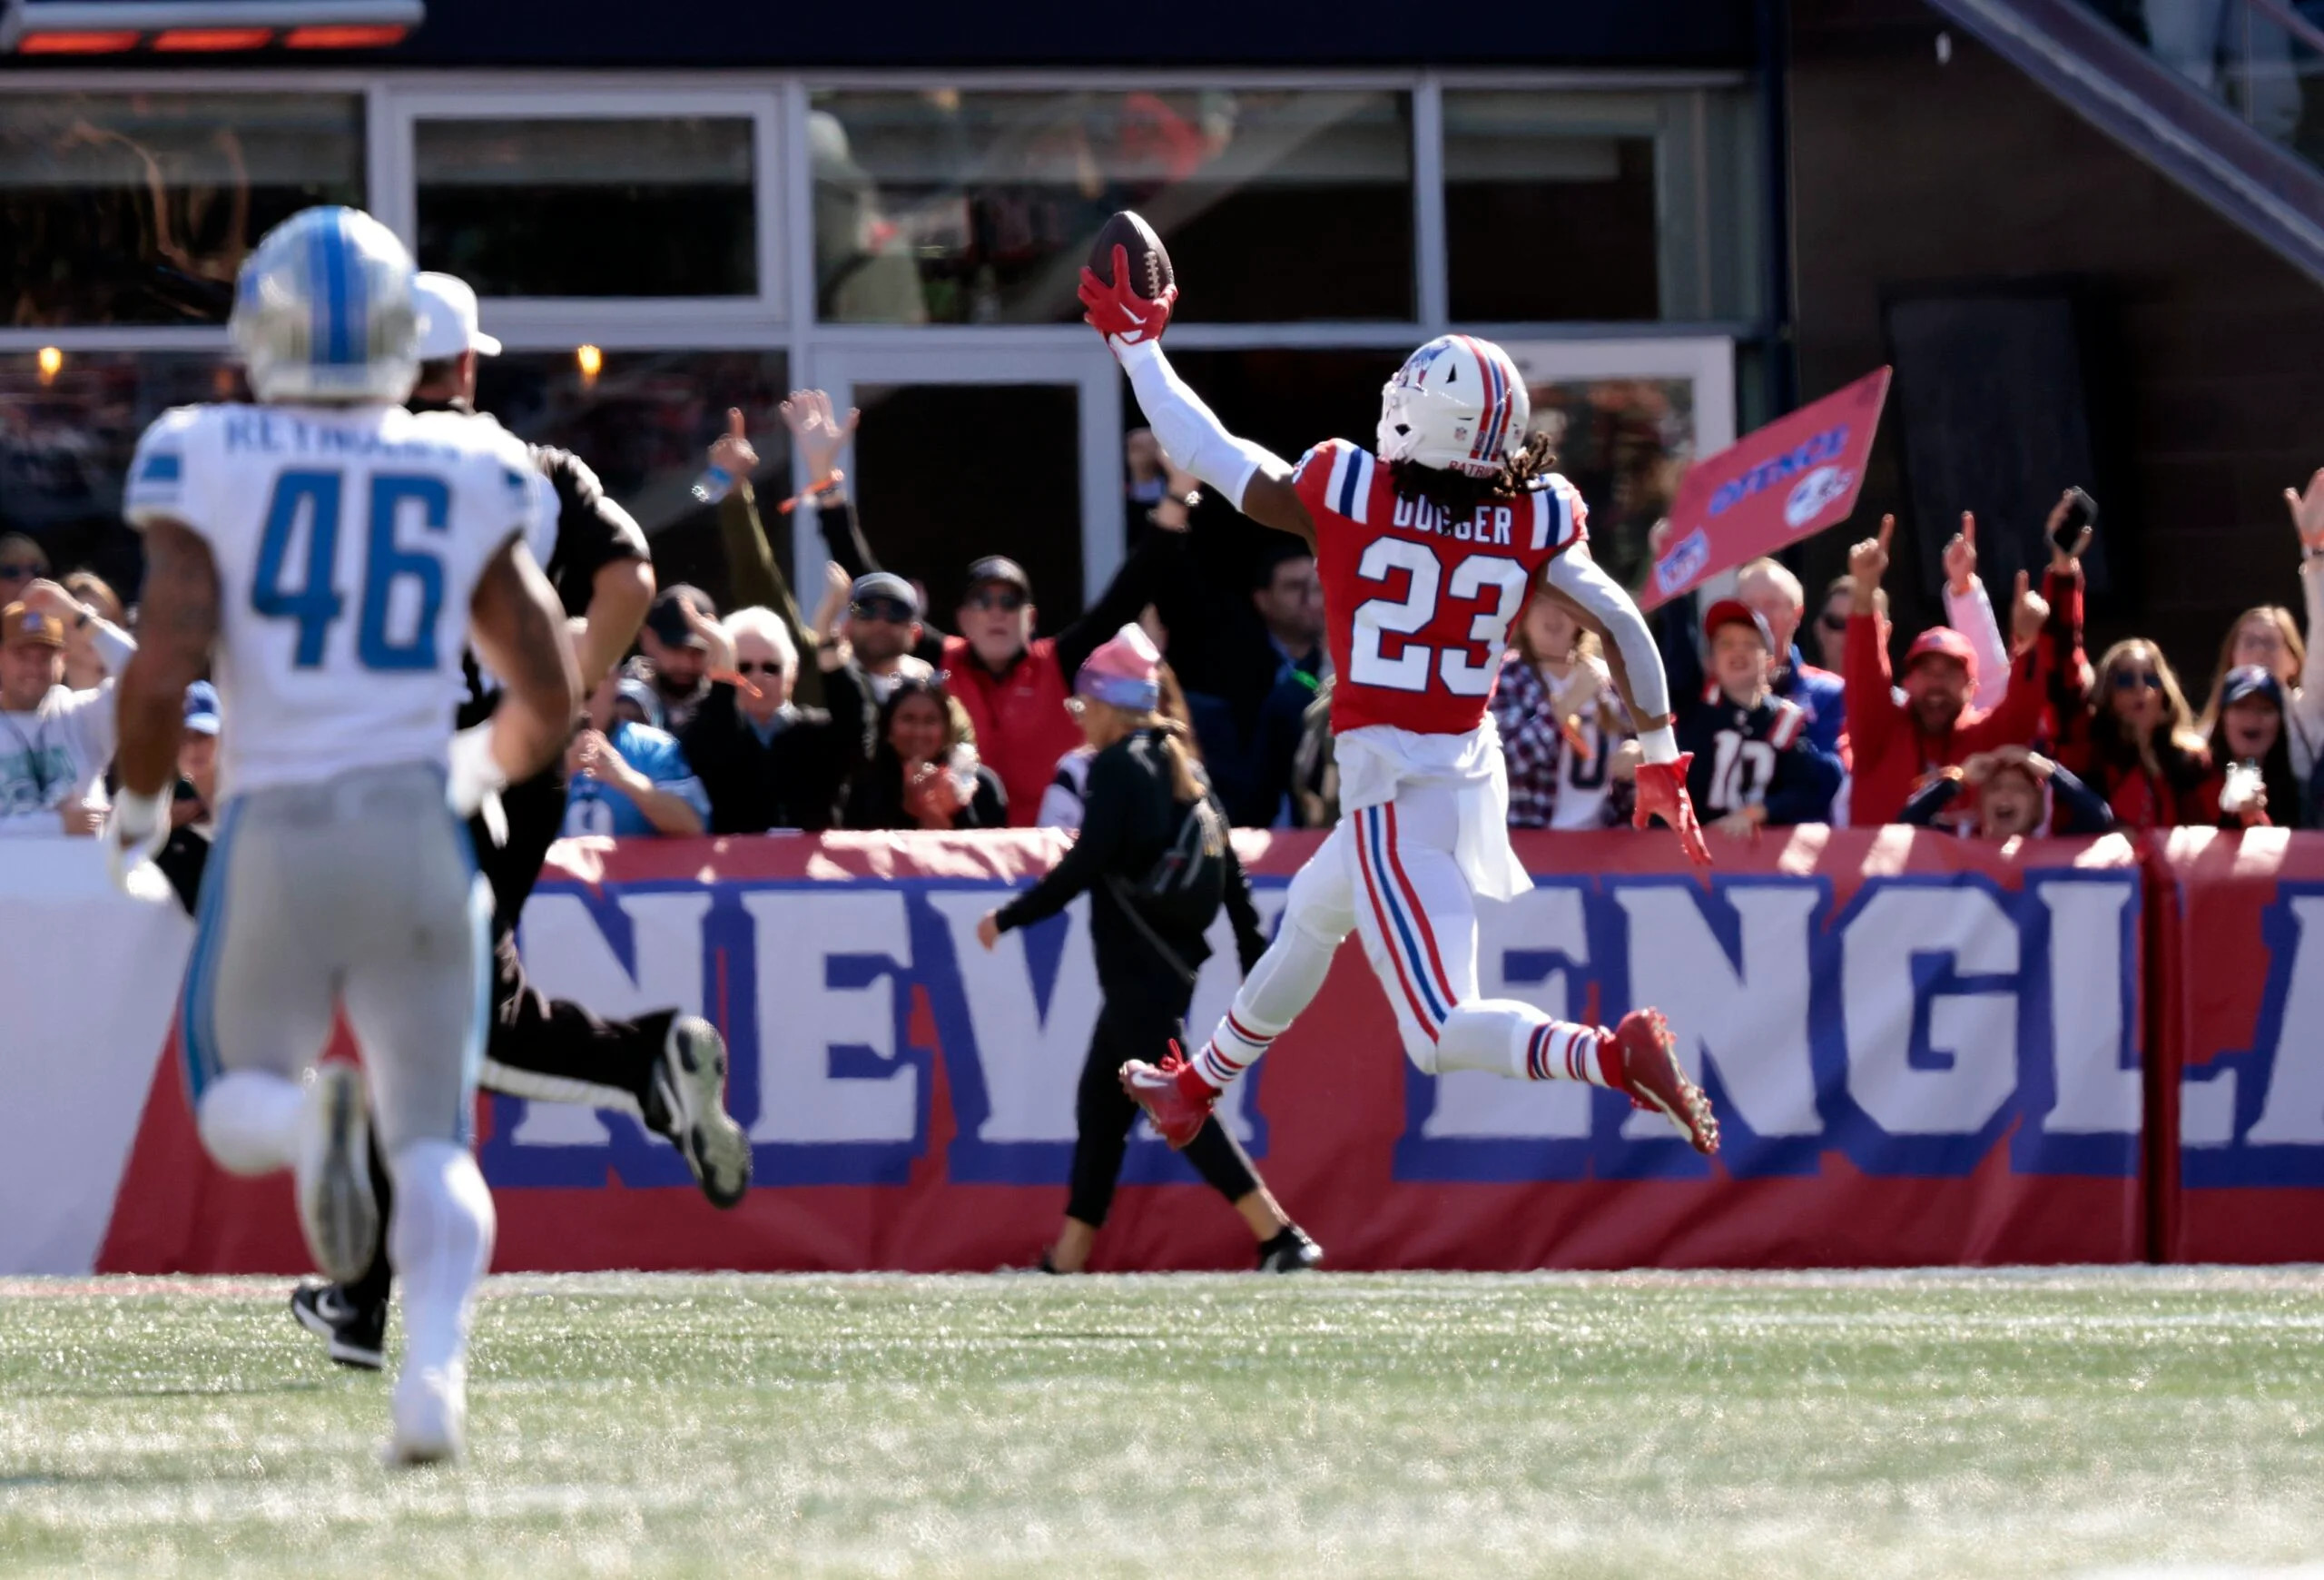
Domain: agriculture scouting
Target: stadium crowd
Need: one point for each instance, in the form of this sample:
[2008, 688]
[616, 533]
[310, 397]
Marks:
[865, 712]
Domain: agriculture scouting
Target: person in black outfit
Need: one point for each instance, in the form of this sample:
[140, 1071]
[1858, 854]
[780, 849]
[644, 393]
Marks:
[765, 761]
[667, 1068]
[1155, 859]
[921, 775]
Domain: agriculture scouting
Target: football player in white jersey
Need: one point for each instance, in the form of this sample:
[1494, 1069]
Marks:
[327, 553]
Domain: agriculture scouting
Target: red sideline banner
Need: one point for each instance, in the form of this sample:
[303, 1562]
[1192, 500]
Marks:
[1921, 1053]
[2240, 1071]
[1767, 492]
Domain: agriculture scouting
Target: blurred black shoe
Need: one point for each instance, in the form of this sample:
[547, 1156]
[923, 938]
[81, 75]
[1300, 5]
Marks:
[353, 1334]
[1289, 1252]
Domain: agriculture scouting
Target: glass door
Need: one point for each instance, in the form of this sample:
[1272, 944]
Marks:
[990, 448]
[1626, 418]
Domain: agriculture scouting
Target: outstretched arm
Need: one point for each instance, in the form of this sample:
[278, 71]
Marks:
[1578, 582]
[1254, 477]
[178, 624]
[518, 629]
[1598, 602]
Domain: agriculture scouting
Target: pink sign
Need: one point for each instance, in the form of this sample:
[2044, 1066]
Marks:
[1790, 481]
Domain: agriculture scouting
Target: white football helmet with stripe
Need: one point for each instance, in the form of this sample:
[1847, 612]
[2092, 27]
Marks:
[1458, 404]
[324, 311]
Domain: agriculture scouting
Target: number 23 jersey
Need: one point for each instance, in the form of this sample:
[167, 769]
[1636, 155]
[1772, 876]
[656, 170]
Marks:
[1418, 607]
[348, 542]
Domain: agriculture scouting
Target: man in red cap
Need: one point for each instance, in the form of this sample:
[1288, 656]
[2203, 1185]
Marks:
[1897, 744]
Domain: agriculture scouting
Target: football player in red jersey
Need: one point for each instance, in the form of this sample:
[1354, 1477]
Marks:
[1428, 550]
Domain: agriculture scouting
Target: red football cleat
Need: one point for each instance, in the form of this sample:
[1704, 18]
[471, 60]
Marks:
[1662, 792]
[1173, 1095]
[1651, 1075]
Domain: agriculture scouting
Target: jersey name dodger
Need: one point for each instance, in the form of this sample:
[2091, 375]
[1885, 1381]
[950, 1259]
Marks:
[1418, 604]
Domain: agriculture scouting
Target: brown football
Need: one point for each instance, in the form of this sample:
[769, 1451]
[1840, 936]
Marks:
[1150, 263]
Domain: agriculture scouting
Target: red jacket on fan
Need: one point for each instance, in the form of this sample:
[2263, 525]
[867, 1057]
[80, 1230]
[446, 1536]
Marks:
[1023, 728]
[1021, 724]
[1893, 754]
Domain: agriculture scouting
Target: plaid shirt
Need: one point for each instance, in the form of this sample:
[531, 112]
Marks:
[1550, 785]
[1530, 743]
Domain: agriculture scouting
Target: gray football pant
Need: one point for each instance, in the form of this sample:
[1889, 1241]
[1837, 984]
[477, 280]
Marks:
[361, 892]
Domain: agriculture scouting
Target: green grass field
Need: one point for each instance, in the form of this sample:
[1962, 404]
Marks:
[1941, 1424]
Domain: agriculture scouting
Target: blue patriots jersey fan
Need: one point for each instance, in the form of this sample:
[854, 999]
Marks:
[1754, 754]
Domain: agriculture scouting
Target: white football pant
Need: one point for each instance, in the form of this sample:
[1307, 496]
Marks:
[1389, 873]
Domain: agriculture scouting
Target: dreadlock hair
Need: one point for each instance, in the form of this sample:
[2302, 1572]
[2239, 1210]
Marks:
[1457, 494]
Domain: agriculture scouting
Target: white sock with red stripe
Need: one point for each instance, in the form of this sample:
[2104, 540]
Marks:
[1286, 980]
[1232, 1049]
[1518, 1040]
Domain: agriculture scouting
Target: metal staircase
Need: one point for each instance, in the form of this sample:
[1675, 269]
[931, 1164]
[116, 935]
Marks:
[2212, 93]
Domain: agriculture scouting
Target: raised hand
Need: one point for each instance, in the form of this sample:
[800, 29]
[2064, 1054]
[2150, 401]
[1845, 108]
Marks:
[2066, 561]
[719, 647]
[2029, 611]
[45, 597]
[1868, 562]
[838, 588]
[1171, 513]
[1118, 312]
[818, 434]
[2308, 513]
[929, 796]
[731, 451]
[1961, 557]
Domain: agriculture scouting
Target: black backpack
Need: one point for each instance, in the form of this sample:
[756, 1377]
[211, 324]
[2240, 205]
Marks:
[1187, 883]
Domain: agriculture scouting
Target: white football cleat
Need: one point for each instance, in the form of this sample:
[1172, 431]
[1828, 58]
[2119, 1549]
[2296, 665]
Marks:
[337, 1211]
[432, 1417]
[692, 1085]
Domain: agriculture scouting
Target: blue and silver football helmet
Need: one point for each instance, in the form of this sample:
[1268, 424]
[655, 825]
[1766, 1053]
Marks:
[323, 310]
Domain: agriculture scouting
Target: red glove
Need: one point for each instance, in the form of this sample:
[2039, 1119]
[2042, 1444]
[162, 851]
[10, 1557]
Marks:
[1118, 311]
[1662, 792]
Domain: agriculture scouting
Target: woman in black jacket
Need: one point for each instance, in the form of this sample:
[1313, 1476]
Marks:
[1155, 859]
[919, 775]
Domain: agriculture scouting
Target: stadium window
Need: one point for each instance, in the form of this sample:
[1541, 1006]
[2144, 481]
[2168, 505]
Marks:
[965, 207]
[643, 423]
[138, 209]
[67, 436]
[1603, 208]
[589, 207]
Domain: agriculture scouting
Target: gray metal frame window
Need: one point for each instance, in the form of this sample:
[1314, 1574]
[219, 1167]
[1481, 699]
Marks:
[1707, 173]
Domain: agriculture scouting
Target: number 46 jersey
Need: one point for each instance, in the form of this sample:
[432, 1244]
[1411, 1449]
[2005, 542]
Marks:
[1418, 606]
[348, 542]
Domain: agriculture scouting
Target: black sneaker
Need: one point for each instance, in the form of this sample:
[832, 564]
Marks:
[1290, 1251]
[688, 1104]
[353, 1335]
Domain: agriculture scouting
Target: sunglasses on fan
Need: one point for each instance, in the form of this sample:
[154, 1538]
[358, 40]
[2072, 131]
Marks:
[2131, 679]
[892, 611]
